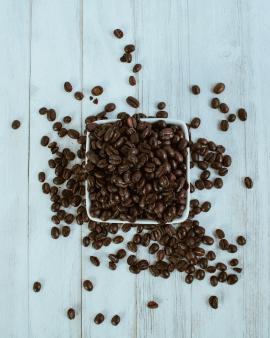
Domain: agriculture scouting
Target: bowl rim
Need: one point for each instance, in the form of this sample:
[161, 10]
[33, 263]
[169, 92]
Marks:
[184, 216]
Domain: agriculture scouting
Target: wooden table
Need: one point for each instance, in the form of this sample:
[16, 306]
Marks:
[179, 43]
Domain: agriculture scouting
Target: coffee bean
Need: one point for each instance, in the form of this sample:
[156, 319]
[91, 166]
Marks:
[223, 244]
[211, 269]
[213, 302]
[109, 107]
[74, 134]
[51, 115]
[241, 240]
[207, 240]
[129, 48]
[118, 33]
[224, 125]
[195, 123]
[99, 318]
[234, 262]
[232, 248]
[88, 285]
[44, 141]
[195, 89]
[115, 320]
[16, 124]
[94, 260]
[65, 231]
[43, 111]
[86, 241]
[206, 206]
[231, 118]
[222, 277]
[95, 101]
[161, 105]
[220, 233]
[248, 182]
[71, 313]
[46, 188]
[137, 67]
[132, 102]
[205, 175]
[68, 87]
[67, 119]
[36, 287]
[57, 126]
[215, 103]
[232, 279]
[218, 183]
[221, 266]
[121, 253]
[199, 184]
[78, 96]
[112, 266]
[55, 232]
[208, 184]
[238, 270]
[152, 304]
[214, 280]
[223, 107]
[161, 114]
[132, 80]
[131, 260]
[97, 90]
[211, 255]
[219, 88]
[41, 176]
[189, 279]
[242, 114]
[200, 274]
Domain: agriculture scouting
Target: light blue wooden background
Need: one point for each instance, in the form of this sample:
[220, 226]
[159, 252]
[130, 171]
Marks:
[179, 42]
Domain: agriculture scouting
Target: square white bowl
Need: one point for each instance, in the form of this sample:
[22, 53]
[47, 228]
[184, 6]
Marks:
[145, 221]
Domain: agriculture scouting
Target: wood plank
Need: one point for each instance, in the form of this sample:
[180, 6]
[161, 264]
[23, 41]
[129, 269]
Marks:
[56, 57]
[14, 144]
[114, 291]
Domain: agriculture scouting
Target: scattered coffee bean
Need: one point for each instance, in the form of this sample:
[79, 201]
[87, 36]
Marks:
[213, 302]
[224, 125]
[16, 124]
[88, 285]
[162, 114]
[118, 33]
[55, 232]
[67, 119]
[248, 182]
[223, 107]
[189, 279]
[232, 248]
[211, 255]
[215, 103]
[234, 262]
[231, 118]
[206, 206]
[137, 68]
[232, 279]
[219, 88]
[132, 102]
[238, 270]
[195, 123]
[57, 126]
[99, 318]
[115, 320]
[43, 111]
[242, 114]
[44, 141]
[221, 266]
[195, 90]
[241, 240]
[51, 115]
[152, 304]
[86, 241]
[97, 90]
[112, 266]
[129, 48]
[71, 313]
[109, 107]
[41, 177]
[67, 86]
[132, 80]
[78, 96]
[161, 105]
[65, 231]
[95, 101]
[222, 277]
[94, 260]
[214, 280]
[223, 244]
[220, 233]
[218, 183]
[36, 286]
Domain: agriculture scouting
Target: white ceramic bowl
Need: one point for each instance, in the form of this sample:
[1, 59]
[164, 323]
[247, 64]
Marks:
[145, 221]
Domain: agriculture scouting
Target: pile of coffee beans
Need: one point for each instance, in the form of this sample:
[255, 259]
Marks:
[137, 170]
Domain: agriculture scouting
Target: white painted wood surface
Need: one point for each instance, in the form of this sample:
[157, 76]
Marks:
[44, 43]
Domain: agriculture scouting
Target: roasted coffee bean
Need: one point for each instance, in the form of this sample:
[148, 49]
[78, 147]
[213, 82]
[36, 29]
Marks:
[199, 184]
[223, 171]
[69, 218]
[215, 103]
[208, 184]
[55, 219]
[242, 114]
[241, 240]
[221, 266]
[232, 279]
[62, 132]
[214, 280]
[131, 260]
[118, 33]
[223, 107]
[220, 233]
[88, 285]
[113, 258]
[238, 270]
[211, 269]
[67, 119]
[57, 126]
[248, 182]
[36, 286]
[200, 274]
[132, 246]
[95, 101]
[78, 96]
[129, 48]
[109, 107]
[41, 176]
[112, 266]
[15, 124]
[222, 277]
[207, 240]
[205, 175]
[65, 231]
[86, 241]
[189, 279]
[152, 304]
[161, 105]
[234, 262]
[137, 67]
[99, 318]
[206, 206]
[115, 320]
[213, 302]
[223, 244]
[224, 125]
[44, 141]
[231, 118]
[218, 183]
[132, 102]
[195, 123]
[46, 188]
[121, 253]
[219, 88]
[74, 134]
[211, 255]
[161, 114]
[71, 313]
[55, 232]
[97, 90]
[67, 86]
[132, 80]
[232, 248]
[43, 111]
[94, 260]
[195, 89]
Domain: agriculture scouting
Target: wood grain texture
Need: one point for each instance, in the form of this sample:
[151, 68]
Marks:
[179, 43]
